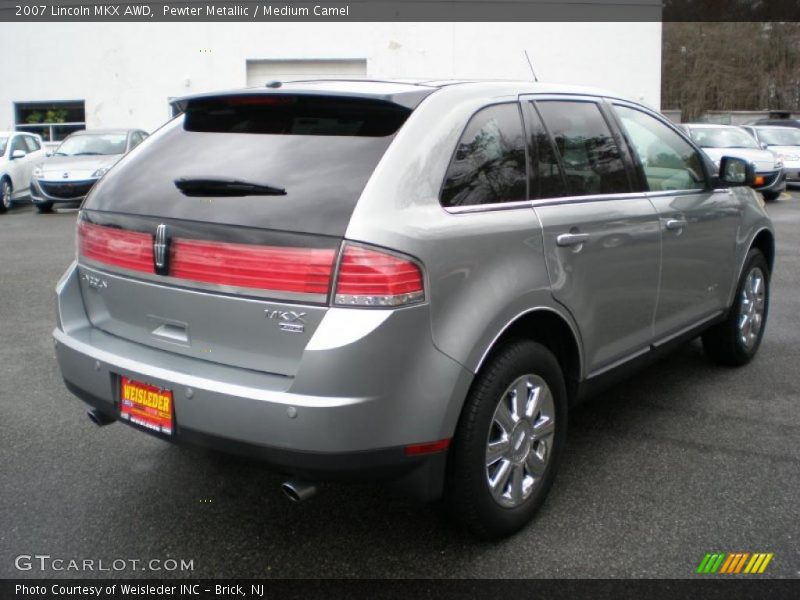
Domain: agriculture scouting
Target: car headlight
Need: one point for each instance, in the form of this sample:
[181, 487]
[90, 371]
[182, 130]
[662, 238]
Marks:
[100, 172]
[38, 171]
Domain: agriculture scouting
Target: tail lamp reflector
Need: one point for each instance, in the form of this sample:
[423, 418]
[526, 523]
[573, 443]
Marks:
[118, 247]
[369, 277]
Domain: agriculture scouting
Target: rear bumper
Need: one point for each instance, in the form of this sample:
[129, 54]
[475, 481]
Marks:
[345, 415]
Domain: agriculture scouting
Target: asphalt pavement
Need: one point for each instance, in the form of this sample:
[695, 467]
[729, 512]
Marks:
[683, 459]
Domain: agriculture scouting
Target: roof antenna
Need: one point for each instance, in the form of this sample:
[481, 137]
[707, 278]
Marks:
[530, 64]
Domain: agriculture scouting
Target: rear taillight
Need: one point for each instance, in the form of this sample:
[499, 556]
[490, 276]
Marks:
[369, 277]
[131, 250]
[271, 268]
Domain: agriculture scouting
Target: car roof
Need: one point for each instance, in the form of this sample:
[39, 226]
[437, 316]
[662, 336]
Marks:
[406, 92]
[710, 126]
[103, 131]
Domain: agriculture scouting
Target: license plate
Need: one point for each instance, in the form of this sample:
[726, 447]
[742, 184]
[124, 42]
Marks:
[146, 405]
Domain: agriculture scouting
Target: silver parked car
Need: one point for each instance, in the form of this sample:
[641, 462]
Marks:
[79, 161]
[784, 142]
[413, 281]
[727, 140]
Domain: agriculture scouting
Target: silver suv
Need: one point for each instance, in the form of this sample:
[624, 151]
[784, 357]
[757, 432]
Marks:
[412, 281]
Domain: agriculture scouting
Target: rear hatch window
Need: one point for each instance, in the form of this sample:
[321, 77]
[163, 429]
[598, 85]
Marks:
[276, 161]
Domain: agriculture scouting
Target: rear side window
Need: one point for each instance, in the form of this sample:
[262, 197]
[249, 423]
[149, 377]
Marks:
[591, 158]
[283, 114]
[489, 163]
[669, 162]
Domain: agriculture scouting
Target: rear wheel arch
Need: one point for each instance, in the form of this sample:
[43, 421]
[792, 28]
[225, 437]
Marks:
[549, 328]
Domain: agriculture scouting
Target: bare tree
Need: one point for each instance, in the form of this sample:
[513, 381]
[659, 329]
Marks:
[730, 66]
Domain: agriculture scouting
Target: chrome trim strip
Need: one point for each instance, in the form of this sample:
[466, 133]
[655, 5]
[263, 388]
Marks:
[654, 345]
[188, 284]
[619, 362]
[574, 331]
[668, 338]
[480, 208]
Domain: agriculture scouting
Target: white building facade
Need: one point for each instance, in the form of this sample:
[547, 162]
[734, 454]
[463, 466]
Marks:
[58, 77]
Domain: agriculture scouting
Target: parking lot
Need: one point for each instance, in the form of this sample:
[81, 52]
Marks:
[684, 459]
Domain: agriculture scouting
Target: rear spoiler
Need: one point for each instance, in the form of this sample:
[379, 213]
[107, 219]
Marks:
[406, 95]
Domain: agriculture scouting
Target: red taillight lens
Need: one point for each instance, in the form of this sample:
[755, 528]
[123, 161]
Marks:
[306, 270]
[111, 246]
[369, 277]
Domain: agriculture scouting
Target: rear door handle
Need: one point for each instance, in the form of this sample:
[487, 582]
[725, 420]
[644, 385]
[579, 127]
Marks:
[571, 239]
[673, 224]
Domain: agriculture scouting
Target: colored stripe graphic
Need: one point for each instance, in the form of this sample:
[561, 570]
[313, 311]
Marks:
[730, 563]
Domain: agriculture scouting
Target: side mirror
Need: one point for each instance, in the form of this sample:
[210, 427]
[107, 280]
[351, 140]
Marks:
[736, 171]
[18, 154]
[764, 145]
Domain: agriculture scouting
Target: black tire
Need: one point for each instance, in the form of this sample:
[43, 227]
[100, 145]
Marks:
[725, 343]
[468, 490]
[44, 207]
[5, 195]
[771, 196]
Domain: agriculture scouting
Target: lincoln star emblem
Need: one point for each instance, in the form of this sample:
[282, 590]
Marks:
[160, 250]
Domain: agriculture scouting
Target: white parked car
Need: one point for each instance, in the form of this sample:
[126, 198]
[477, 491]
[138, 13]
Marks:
[728, 140]
[19, 153]
[784, 142]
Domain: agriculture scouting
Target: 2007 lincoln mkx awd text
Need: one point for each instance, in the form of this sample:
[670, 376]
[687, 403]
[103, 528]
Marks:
[400, 280]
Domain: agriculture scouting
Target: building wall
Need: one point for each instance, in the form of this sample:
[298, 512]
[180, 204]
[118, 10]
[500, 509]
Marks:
[126, 72]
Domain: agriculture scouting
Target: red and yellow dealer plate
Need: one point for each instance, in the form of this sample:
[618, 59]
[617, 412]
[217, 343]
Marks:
[146, 405]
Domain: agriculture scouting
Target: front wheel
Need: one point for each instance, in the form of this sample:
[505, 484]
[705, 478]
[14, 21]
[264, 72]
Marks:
[44, 207]
[771, 196]
[510, 435]
[735, 341]
[5, 195]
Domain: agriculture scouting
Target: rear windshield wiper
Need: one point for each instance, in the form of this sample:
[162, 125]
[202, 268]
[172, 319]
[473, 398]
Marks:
[226, 187]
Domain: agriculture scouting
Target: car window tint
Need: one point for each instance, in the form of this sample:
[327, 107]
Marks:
[547, 180]
[591, 158]
[489, 163]
[669, 162]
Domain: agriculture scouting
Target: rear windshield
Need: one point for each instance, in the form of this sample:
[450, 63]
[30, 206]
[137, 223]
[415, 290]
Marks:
[319, 152]
[295, 115]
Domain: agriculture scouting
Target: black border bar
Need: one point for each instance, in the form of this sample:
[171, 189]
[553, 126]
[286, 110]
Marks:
[398, 10]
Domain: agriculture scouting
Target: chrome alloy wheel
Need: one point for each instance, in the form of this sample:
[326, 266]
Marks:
[751, 307]
[520, 441]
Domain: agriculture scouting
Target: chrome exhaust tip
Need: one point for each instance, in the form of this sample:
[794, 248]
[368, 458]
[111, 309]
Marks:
[99, 418]
[298, 490]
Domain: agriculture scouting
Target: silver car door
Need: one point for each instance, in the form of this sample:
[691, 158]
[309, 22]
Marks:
[601, 240]
[698, 223]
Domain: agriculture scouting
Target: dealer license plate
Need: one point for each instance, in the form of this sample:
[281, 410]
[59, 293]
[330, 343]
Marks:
[146, 405]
